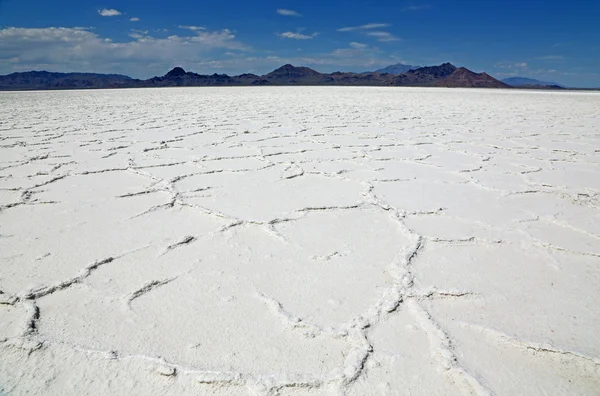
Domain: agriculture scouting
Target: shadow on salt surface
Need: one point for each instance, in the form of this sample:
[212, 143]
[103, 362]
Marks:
[12, 321]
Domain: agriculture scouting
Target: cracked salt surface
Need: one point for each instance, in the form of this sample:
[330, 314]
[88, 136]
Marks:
[299, 241]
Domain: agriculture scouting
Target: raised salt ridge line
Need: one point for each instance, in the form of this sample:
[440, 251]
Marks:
[299, 241]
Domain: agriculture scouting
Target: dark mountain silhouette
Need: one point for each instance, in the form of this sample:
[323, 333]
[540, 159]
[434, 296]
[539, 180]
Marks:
[291, 72]
[445, 75]
[180, 78]
[523, 82]
[424, 76]
[48, 80]
[176, 72]
[291, 75]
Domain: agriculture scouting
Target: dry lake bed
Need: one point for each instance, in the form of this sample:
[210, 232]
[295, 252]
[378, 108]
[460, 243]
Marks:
[300, 241]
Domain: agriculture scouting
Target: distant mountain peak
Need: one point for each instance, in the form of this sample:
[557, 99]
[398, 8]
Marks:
[288, 71]
[465, 78]
[286, 67]
[176, 72]
[443, 70]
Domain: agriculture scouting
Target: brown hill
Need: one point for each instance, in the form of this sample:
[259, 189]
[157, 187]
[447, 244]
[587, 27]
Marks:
[465, 78]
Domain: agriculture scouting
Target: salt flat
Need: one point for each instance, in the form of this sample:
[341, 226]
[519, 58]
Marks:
[300, 241]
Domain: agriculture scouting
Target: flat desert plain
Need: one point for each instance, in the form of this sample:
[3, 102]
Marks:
[300, 241]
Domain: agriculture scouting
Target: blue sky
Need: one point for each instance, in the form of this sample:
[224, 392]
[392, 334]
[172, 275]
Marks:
[548, 40]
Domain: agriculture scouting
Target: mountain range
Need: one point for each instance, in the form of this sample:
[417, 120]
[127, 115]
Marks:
[444, 75]
[522, 82]
[47, 80]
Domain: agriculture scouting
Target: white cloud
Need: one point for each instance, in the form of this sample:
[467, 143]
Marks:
[551, 58]
[138, 34]
[109, 12]
[283, 11]
[347, 52]
[134, 19]
[360, 57]
[364, 27]
[511, 65]
[367, 30]
[78, 49]
[358, 45]
[417, 7]
[193, 28]
[297, 36]
[382, 36]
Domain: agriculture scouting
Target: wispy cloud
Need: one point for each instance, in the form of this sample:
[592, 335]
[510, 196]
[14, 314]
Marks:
[357, 51]
[356, 45]
[383, 36]
[109, 12]
[511, 65]
[192, 28]
[367, 30]
[364, 27]
[285, 12]
[134, 19]
[551, 58]
[419, 7]
[138, 34]
[297, 36]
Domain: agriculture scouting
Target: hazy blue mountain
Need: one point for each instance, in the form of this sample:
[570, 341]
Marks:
[523, 81]
[398, 68]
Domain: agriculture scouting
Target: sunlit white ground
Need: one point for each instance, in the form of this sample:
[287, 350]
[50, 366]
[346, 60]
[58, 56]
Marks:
[299, 241]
